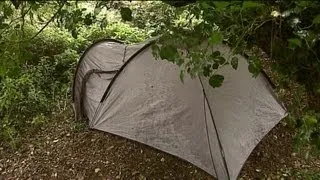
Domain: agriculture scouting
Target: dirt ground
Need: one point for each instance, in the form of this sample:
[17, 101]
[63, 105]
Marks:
[65, 149]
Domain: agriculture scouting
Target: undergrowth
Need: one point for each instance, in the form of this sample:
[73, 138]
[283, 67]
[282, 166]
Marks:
[40, 85]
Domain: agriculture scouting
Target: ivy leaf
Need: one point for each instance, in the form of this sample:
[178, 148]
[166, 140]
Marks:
[234, 63]
[126, 14]
[216, 80]
[294, 42]
[215, 38]
[316, 20]
[168, 52]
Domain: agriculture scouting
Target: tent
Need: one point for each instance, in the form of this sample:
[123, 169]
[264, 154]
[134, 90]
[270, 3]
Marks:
[123, 90]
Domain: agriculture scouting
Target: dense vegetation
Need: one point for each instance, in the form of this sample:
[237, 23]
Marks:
[40, 42]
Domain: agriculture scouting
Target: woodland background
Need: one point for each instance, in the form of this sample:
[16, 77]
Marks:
[41, 41]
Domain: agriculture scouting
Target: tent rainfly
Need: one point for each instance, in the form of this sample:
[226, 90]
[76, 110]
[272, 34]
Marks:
[123, 90]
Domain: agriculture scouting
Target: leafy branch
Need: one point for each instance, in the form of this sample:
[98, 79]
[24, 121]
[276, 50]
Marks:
[51, 19]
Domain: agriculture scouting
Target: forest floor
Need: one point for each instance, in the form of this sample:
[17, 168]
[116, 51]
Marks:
[65, 149]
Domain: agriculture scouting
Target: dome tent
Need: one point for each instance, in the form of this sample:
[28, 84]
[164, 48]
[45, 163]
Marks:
[123, 90]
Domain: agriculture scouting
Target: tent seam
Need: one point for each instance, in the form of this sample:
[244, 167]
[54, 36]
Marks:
[207, 132]
[215, 127]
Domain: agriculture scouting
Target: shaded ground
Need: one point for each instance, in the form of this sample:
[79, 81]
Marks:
[65, 150]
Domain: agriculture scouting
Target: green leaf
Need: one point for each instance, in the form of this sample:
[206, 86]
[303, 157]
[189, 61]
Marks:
[294, 42]
[234, 63]
[17, 26]
[168, 52]
[216, 38]
[310, 119]
[215, 66]
[204, 5]
[74, 33]
[7, 11]
[88, 20]
[40, 18]
[216, 80]
[215, 54]
[316, 20]
[97, 10]
[254, 69]
[126, 14]
[251, 4]
[104, 23]
[207, 70]
[4, 25]
[316, 141]
[220, 5]
[182, 76]
[221, 60]
[254, 66]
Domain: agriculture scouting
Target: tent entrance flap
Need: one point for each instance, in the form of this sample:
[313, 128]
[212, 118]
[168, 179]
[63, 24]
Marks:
[93, 85]
[123, 90]
[105, 55]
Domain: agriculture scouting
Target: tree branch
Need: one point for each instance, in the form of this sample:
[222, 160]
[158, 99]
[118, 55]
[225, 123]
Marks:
[52, 18]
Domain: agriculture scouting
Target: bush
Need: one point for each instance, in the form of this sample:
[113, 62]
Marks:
[39, 72]
[27, 101]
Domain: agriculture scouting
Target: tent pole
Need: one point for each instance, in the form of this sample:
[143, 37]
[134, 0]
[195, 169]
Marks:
[207, 132]
[215, 127]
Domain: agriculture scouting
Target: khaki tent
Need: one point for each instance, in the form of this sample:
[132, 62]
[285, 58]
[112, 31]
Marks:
[123, 90]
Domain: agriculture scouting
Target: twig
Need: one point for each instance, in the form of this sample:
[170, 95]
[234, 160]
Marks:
[13, 20]
[52, 18]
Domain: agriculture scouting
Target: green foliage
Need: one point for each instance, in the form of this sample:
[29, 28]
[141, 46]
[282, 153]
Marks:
[28, 99]
[307, 175]
[215, 38]
[37, 63]
[216, 80]
[308, 130]
[126, 13]
[40, 40]
[287, 31]
[168, 52]
[234, 63]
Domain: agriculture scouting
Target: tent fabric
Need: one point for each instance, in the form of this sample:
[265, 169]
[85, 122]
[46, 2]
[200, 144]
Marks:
[123, 90]
[105, 55]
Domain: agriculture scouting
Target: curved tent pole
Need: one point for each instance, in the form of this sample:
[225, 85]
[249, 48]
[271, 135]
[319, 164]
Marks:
[84, 81]
[151, 42]
[84, 54]
[121, 69]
